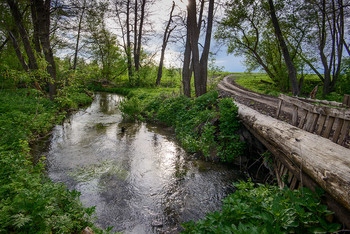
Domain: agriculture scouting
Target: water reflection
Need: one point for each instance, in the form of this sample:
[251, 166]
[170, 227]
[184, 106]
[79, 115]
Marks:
[135, 174]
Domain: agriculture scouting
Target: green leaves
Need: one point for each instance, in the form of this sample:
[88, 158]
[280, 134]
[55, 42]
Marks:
[266, 209]
[29, 201]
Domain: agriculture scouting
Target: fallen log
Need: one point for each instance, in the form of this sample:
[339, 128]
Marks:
[325, 162]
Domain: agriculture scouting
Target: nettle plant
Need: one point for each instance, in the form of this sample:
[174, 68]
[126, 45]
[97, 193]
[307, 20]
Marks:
[267, 209]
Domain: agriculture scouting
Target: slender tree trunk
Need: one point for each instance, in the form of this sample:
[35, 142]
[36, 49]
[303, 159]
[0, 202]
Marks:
[186, 71]
[291, 68]
[166, 36]
[194, 34]
[23, 33]
[18, 51]
[323, 38]
[78, 37]
[339, 27]
[128, 43]
[36, 39]
[206, 49]
[135, 32]
[138, 50]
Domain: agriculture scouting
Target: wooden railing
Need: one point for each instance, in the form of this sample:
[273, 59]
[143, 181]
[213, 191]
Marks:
[326, 121]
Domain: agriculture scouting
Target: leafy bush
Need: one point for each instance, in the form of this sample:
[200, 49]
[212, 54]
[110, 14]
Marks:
[267, 209]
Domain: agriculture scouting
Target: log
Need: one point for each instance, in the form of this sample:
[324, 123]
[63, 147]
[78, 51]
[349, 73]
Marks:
[324, 161]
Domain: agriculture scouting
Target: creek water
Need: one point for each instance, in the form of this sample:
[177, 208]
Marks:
[136, 175]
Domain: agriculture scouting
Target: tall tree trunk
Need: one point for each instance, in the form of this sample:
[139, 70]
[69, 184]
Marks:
[135, 32]
[138, 48]
[128, 43]
[43, 12]
[166, 36]
[78, 36]
[338, 28]
[323, 38]
[291, 68]
[205, 54]
[36, 39]
[194, 35]
[23, 33]
[186, 71]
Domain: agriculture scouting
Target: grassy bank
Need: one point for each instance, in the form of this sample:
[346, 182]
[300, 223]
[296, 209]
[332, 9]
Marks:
[261, 83]
[29, 201]
[207, 124]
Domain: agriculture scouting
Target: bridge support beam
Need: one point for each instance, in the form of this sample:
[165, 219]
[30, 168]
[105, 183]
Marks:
[313, 160]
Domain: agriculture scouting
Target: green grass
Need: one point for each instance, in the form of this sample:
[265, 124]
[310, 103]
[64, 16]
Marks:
[257, 83]
[253, 81]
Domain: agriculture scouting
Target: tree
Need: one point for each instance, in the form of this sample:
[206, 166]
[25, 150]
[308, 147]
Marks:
[287, 58]
[102, 43]
[248, 29]
[199, 64]
[166, 37]
[327, 18]
[18, 19]
[42, 11]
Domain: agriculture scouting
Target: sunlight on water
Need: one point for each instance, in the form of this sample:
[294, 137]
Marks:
[138, 178]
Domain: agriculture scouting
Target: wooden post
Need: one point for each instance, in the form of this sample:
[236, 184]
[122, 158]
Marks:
[346, 100]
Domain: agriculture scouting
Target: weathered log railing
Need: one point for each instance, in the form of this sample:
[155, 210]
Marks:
[303, 158]
[329, 122]
[308, 159]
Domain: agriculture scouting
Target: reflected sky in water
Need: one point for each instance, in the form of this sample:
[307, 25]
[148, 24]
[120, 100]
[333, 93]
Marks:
[135, 174]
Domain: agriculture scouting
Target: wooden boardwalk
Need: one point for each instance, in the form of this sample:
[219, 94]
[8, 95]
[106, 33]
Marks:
[312, 150]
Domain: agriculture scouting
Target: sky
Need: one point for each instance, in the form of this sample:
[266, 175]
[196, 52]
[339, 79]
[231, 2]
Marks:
[161, 10]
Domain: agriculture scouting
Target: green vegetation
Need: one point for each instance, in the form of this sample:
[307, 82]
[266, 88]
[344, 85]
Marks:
[29, 201]
[206, 124]
[267, 209]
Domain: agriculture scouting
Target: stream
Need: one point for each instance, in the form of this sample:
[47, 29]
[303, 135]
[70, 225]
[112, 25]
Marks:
[136, 175]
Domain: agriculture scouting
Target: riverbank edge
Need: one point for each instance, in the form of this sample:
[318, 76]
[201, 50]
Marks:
[24, 206]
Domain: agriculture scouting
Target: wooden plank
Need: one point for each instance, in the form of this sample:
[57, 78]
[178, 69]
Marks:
[290, 176]
[279, 106]
[311, 122]
[338, 128]
[321, 121]
[344, 132]
[295, 115]
[343, 113]
[294, 182]
[329, 127]
[346, 100]
[303, 118]
[325, 102]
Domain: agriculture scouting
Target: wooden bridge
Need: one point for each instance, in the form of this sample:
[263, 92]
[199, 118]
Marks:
[309, 140]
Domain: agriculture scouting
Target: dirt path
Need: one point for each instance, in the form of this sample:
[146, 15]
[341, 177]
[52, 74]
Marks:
[265, 104]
